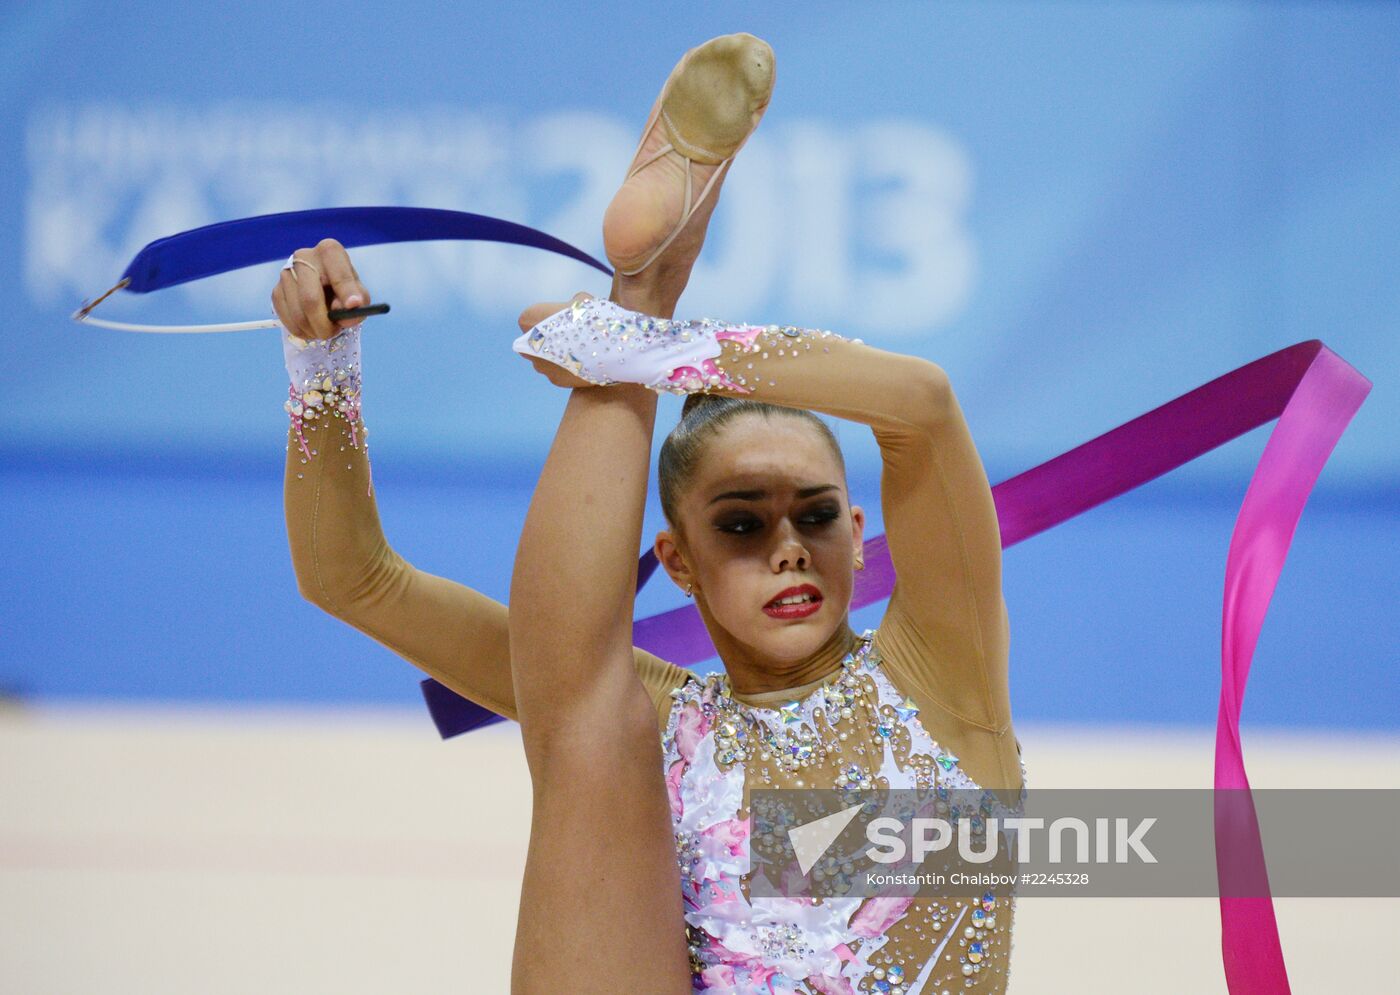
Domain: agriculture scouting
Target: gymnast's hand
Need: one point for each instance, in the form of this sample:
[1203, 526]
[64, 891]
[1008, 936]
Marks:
[320, 279]
[532, 316]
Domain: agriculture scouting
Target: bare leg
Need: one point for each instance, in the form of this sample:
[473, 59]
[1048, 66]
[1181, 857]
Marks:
[600, 905]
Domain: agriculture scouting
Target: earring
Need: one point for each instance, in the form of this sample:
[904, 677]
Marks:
[688, 589]
[860, 562]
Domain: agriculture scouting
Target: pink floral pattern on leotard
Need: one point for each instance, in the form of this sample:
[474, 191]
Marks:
[778, 946]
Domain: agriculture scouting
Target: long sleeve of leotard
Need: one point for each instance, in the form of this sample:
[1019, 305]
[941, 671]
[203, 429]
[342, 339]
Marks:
[345, 566]
[945, 634]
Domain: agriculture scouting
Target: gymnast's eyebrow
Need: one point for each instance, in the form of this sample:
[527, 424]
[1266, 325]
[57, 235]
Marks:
[757, 495]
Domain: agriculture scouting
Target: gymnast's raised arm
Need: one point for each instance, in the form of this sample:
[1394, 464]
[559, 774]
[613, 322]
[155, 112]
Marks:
[940, 518]
[343, 563]
[945, 633]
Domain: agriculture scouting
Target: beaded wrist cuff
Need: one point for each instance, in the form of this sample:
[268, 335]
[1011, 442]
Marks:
[325, 382]
[604, 343]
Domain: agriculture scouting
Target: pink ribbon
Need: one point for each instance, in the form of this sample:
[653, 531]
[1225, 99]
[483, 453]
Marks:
[1317, 407]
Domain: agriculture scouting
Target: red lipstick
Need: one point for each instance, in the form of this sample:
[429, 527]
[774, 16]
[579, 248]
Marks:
[811, 602]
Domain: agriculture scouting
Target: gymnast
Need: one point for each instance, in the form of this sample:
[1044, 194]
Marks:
[638, 842]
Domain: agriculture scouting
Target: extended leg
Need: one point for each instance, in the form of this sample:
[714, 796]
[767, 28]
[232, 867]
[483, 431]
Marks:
[600, 906]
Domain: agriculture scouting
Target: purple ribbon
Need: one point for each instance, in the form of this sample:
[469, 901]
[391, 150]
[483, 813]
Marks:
[1313, 393]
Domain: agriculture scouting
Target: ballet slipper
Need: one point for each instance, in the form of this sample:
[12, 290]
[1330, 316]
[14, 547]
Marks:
[710, 105]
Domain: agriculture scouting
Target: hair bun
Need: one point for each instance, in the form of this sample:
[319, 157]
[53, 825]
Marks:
[698, 401]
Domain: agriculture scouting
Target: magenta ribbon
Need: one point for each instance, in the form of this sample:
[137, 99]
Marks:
[1313, 393]
[1318, 401]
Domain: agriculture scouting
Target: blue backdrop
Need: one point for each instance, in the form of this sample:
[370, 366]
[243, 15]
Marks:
[1078, 210]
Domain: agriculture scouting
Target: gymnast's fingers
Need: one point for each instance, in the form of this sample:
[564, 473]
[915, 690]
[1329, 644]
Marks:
[557, 375]
[311, 292]
[288, 306]
[536, 313]
[340, 276]
[278, 308]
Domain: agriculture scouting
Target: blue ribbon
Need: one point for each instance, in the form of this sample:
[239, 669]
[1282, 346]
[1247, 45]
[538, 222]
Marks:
[230, 245]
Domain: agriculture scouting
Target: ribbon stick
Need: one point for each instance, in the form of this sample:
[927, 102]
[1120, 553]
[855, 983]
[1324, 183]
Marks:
[1313, 393]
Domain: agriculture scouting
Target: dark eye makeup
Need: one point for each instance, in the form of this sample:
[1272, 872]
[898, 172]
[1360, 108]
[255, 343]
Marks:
[748, 523]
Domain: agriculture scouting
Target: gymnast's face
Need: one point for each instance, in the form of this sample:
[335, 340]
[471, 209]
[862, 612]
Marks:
[766, 518]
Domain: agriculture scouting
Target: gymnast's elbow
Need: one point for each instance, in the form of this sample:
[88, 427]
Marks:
[310, 587]
[325, 588]
[928, 394]
[354, 585]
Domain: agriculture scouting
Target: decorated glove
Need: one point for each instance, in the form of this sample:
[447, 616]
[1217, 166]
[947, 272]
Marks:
[325, 381]
[604, 343]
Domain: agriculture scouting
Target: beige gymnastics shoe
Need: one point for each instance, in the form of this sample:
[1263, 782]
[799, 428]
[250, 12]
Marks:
[710, 105]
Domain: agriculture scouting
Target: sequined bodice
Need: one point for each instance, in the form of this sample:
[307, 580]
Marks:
[855, 731]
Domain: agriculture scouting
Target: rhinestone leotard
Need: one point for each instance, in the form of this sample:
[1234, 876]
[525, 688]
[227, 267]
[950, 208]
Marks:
[853, 730]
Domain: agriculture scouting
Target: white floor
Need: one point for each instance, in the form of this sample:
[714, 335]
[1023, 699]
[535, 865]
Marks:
[228, 851]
